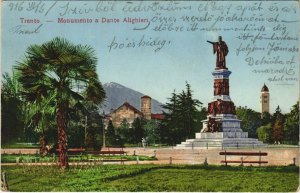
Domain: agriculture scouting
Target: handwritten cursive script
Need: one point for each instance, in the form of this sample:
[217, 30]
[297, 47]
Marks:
[25, 29]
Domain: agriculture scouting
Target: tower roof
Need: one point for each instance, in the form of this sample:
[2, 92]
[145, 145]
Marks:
[264, 88]
[146, 96]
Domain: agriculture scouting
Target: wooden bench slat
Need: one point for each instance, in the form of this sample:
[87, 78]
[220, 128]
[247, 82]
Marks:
[93, 152]
[74, 150]
[112, 152]
[246, 161]
[245, 153]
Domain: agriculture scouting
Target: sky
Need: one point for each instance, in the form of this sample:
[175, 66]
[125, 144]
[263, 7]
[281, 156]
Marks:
[160, 69]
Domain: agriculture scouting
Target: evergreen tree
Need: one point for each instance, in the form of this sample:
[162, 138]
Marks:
[181, 117]
[138, 129]
[94, 127]
[277, 125]
[110, 135]
[171, 133]
[278, 131]
[277, 115]
[189, 111]
[266, 118]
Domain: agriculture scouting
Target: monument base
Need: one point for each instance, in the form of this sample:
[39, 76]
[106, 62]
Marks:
[220, 139]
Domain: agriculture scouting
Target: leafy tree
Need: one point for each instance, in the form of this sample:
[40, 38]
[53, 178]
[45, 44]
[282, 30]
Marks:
[76, 135]
[52, 70]
[12, 115]
[291, 125]
[264, 133]
[251, 120]
[152, 132]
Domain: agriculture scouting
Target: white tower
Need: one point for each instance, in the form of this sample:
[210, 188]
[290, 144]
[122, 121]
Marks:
[265, 99]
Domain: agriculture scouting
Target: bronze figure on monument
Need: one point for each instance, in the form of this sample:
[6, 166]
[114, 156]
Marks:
[221, 49]
[212, 125]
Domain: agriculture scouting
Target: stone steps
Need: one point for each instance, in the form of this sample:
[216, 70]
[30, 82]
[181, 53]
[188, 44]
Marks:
[178, 146]
[202, 144]
[220, 139]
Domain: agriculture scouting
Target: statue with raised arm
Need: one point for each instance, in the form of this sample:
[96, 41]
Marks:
[221, 49]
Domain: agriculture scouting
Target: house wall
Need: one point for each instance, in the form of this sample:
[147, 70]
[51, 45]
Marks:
[123, 113]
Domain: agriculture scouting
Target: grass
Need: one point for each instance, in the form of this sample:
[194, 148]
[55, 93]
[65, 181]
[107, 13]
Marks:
[158, 145]
[153, 178]
[19, 145]
[11, 158]
[211, 180]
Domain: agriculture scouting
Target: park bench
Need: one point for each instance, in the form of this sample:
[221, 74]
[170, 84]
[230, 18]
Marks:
[110, 152]
[242, 160]
[74, 151]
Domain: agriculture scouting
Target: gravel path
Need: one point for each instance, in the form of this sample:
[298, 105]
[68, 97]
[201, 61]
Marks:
[276, 156]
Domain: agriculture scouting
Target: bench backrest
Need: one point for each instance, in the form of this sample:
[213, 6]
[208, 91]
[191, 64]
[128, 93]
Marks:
[244, 153]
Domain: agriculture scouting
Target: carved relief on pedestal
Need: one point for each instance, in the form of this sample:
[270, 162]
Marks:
[221, 87]
[221, 107]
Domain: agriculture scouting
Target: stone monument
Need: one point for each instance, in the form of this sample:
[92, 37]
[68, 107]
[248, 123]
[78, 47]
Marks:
[221, 128]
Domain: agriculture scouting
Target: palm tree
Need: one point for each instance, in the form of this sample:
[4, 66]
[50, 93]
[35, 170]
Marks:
[51, 71]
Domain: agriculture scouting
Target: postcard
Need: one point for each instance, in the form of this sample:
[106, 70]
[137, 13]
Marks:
[138, 63]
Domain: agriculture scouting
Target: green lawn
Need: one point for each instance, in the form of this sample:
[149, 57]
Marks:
[19, 145]
[11, 158]
[153, 178]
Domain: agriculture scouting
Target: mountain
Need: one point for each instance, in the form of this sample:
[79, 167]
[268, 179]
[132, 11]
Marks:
[117, 94]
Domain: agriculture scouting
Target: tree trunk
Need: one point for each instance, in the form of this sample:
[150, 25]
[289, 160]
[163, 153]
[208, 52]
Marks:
[62, 136]
[43, 145]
